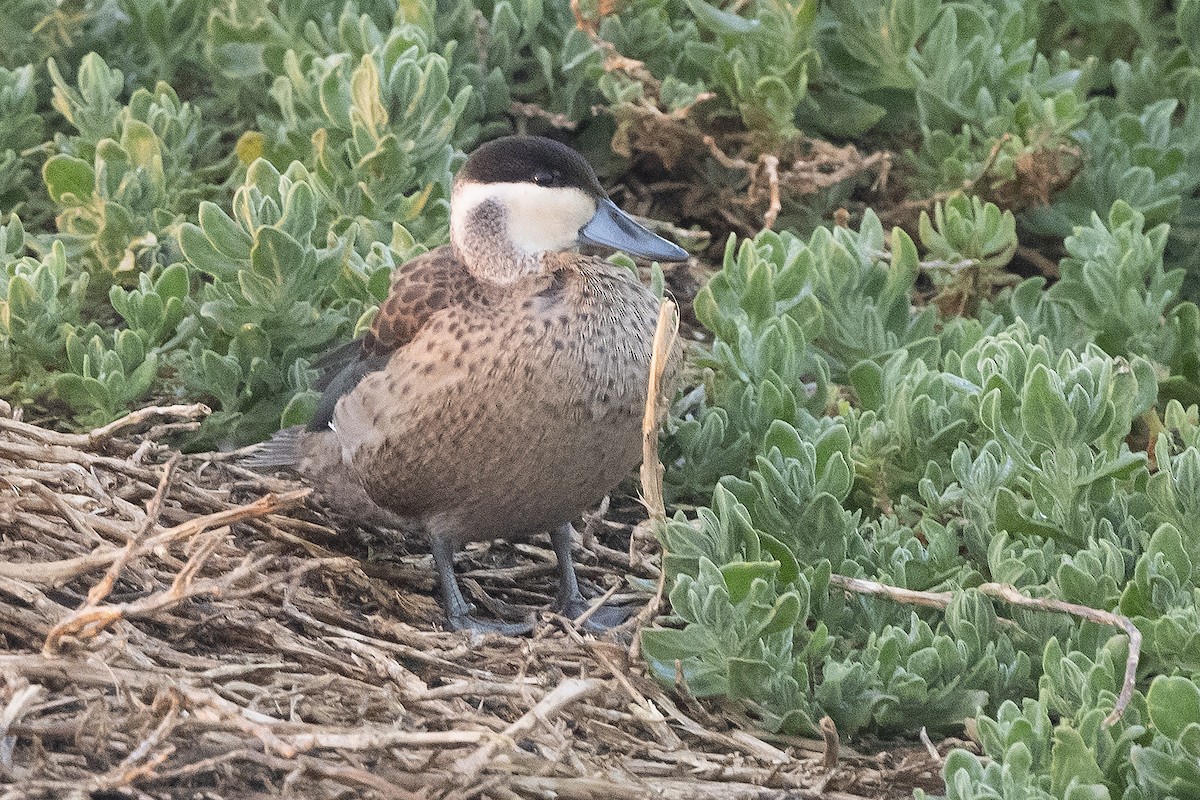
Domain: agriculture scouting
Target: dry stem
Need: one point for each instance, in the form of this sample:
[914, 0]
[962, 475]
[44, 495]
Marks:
[232, 659]
[550, 706]
[665, 335]
[1010, 595]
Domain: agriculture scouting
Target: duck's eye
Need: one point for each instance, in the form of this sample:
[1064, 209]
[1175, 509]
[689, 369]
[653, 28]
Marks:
[547, 177]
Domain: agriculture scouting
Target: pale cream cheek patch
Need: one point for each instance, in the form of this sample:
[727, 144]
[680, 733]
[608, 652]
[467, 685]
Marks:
[540, 219]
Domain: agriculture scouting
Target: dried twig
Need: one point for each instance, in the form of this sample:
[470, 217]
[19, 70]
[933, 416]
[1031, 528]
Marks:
[248, 656]
[770, 164]
[56, 573]
[665, 335]
[1010, 595]
[569, 691]
[833, 743]
[102, 589]
[141, 761]
[141, 415]
[596, 605]
[103, 435]
[929, 747]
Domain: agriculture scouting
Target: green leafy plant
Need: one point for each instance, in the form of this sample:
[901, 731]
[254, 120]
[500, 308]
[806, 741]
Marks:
[979, 452]
[20, 130]
[40, 303]
[376, 134]
[1144, 158]
[987, 371]
[106, 375]
[971, 243]
[259, 313]
[130, 172]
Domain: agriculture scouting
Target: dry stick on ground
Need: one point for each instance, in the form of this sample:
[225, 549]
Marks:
[99, 436]
[142, 760]
[136, 418]
[595, 606]
[277, 719]
[566, 693]
[803, 175]
[153, 509]
[1010, 595]
[89, 621]
[56, 573]
[833, 743]
[647, 711]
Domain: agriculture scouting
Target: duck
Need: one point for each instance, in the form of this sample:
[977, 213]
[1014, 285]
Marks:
[500, 389]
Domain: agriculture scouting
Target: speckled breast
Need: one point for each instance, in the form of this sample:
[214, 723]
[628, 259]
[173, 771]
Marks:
[509, 420]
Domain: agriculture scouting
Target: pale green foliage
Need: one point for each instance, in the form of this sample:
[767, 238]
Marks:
[38, 305]
[971, 242]
[516, 50]
[1149, 159]
[200, 198]
[376, 130]
[20, 129]
[128, 173]
[755, 62]
[967, 98]
[978, 450]
[1116, 291]
[259, 314]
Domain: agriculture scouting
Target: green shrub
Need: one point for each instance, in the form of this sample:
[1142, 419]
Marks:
[199, 199]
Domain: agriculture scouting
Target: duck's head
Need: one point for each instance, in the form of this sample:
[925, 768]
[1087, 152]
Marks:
[519, 197]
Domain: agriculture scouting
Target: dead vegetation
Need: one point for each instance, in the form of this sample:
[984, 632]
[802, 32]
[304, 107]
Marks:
[178, 627]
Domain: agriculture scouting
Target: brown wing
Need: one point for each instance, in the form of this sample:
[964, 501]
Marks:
[422, 287]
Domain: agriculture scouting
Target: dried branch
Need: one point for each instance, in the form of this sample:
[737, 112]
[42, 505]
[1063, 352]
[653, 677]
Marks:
[833, 743]
[665, 336]
[56, 573]
[143, 415]
[770, 164]
[153, 509]
[651, 473]
[569, 691]
[220, 657]
[1010, 595]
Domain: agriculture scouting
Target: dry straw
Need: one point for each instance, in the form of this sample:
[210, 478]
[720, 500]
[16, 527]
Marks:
[170, 624]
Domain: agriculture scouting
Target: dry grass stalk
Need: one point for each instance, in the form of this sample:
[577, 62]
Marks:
[665, 335]
[1011, 596]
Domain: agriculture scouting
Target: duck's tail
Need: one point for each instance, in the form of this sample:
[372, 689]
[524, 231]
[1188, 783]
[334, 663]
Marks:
[281, 450]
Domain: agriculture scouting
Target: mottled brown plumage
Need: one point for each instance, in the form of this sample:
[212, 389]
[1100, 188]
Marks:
[508, 410]
[501, 387]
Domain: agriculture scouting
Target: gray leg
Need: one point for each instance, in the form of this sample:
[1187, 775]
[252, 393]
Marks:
[458, 610]
[570, 600]
[453, 602]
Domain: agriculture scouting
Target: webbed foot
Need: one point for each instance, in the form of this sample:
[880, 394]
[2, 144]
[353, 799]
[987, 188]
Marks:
[570, 601]
[603, 619]
[458, 610]
[466, 622]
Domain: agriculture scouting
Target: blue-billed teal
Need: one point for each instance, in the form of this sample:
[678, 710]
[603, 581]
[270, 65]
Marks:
[501, 388]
